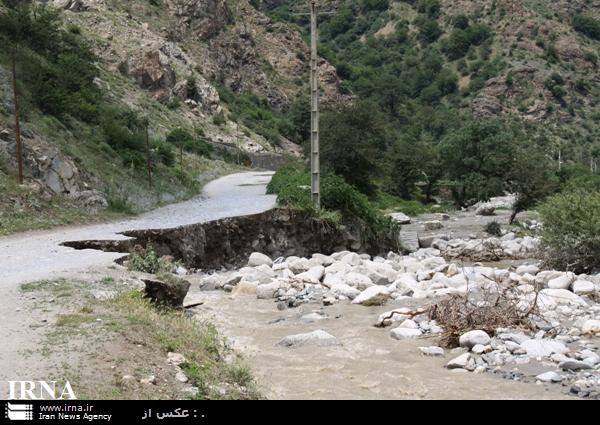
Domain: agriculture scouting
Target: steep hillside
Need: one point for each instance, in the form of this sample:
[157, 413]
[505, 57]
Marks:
[525, 60]
[220, 71]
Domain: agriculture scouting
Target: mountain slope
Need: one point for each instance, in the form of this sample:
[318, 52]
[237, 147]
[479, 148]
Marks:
[168, 62]
[522, 60]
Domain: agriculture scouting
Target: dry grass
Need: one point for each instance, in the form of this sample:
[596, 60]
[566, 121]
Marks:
[174, 331]
[95, 343]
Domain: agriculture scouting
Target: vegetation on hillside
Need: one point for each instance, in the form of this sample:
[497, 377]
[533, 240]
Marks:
[66, 99]
[413, 67]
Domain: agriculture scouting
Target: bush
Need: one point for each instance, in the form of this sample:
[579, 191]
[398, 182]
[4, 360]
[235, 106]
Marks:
[587, 26]
[576, 176]
[183, 139]
[457, 44]
[292, 186]
[493, 228]
[571, 233]
[460, 21]
[429, 29]
[148, 261]
[164, 152]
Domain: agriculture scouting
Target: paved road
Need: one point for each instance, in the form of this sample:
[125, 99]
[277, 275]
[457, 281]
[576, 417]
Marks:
[38, 255]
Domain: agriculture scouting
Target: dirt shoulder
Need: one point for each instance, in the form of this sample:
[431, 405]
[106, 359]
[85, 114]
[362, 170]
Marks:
[98, 333]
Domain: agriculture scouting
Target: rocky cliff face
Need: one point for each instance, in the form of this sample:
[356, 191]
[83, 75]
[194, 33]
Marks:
[167, 59]
[210, 41]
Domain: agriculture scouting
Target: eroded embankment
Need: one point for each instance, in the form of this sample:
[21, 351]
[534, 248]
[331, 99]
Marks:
[228, 242]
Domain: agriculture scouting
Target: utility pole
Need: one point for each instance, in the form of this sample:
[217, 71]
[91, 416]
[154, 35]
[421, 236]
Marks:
[18, 140]
[148, 157]
[315, 172]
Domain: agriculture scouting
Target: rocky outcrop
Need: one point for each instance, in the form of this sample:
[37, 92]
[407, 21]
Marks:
[239, 66]
[201, 18]
[74, 5]
[194, 92]
[54, 170]
[152, 71]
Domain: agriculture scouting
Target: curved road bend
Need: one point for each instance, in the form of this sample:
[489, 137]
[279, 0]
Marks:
[38, 255]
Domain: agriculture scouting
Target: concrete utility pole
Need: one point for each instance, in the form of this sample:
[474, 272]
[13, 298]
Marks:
[315, 172]
[314, 111]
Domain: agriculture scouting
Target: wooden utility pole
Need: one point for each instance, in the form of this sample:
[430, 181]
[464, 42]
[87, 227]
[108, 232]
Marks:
[148, 158]
[314, 110]
[17, 120]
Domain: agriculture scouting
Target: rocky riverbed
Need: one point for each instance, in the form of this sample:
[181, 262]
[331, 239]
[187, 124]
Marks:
[555, 345]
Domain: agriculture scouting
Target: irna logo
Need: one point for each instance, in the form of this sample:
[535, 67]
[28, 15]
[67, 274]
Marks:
[39, 390]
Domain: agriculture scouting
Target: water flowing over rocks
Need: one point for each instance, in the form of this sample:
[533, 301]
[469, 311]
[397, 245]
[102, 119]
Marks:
[551, 349]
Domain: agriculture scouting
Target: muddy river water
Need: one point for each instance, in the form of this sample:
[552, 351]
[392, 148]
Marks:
[367, 363]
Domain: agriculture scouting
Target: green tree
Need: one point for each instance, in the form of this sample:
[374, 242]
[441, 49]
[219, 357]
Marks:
[352, 141]
[405, 168]
[531, 179]
[180, 137]
[478, 158]
[571, 234]
[429, 29]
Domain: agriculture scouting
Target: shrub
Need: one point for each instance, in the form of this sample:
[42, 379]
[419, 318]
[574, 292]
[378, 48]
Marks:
[292, 186]
[460, 21]
[148, 261]
[571, 233]
[576, 176]
[587, 26]
[429, 29]
[164, 152]
[457, 44]
[493, 228]
[219, 119]
[183, 139]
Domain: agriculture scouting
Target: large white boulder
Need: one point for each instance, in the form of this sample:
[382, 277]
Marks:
[459, 362]
[543, 348]
[341, 289]
[562, 282]
[352, 259]
[473, 338]
[324, 260]
[358, 280]
[397, 315]
[399, 217]
[591, 327]
[257, 259]
[564, 296]
[530, 269]
[543, 277]
[374, 295]
[312, 275]
[583, 287]
[404, 333]
[267, 290]
[486, 209]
